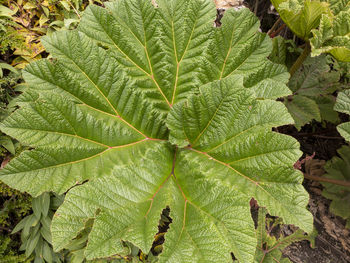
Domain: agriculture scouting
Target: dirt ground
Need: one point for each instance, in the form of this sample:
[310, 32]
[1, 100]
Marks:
[333, 240]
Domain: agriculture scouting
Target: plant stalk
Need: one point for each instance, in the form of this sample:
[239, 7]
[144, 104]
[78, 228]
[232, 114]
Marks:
[275, 33]
[327, 180]
[256, 7]
[300, 59]
[275, 25]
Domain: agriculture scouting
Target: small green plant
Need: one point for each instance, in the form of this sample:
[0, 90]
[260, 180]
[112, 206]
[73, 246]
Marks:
[13, 206]
[272, 241]
[144, 108]
[339, 169]
[35, 229]
[23, 22]
[9, 38]
[9, 254]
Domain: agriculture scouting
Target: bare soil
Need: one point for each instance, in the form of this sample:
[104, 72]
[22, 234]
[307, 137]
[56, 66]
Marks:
[332, 245]
[333, 240]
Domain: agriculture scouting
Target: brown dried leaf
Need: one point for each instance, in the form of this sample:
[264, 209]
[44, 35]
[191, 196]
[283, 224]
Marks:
[314, 167]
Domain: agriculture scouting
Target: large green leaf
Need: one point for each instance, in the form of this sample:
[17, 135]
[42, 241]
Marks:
[333, 36]
[314, 78]
[279, 50]
[311, 84]
[343, 105]
[326, 104]
[338, 5]
[301, 16]
[88, 130]
[303, 110]
[144, 108]
[175, 48]
[227, 141]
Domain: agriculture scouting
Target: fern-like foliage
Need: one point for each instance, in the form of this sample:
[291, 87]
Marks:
[143, 108]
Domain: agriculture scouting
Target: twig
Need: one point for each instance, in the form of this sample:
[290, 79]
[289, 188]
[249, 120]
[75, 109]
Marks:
[275, 25]
[317, 135]
[327, 180]
[75, 10]
[5, 228]
[273, 34]
[256, 7]
[328, 137]
[38, 5]
[309, 133]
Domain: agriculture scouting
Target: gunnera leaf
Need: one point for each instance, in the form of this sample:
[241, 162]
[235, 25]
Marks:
[315, 78]
[326, 105]
[311, 84]
[338, 5]
[303, 110]
[332, 36]
[301, 16]
[279, 50]
[343, 105]
[339, 168]
[144, 108]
